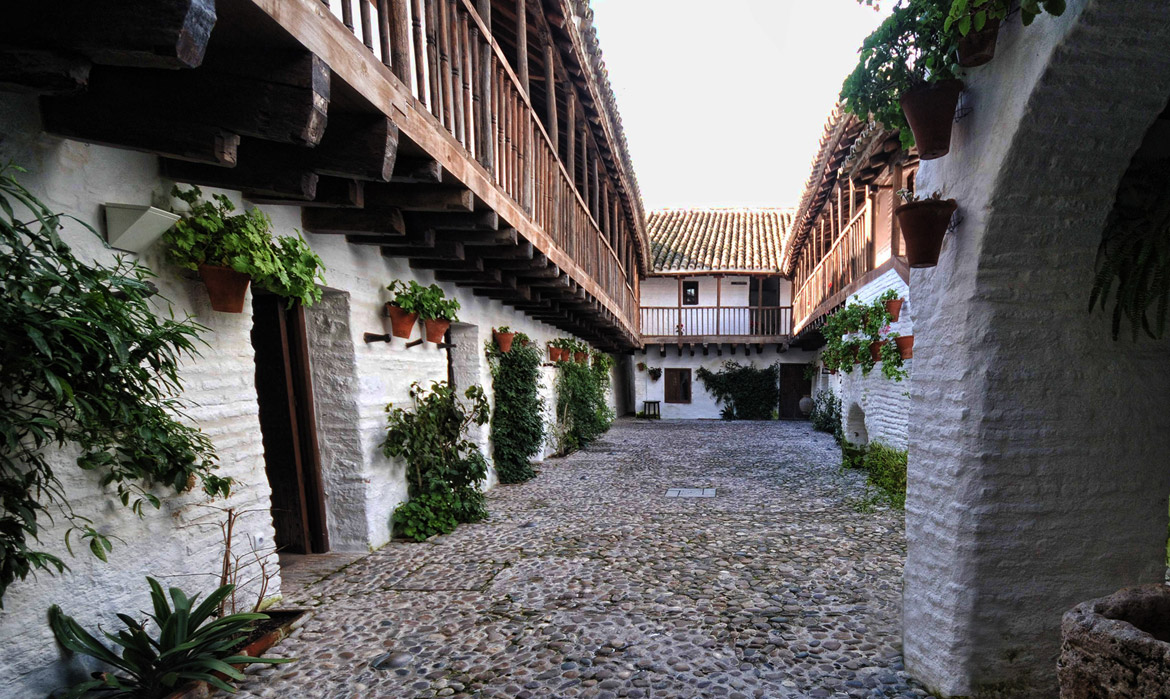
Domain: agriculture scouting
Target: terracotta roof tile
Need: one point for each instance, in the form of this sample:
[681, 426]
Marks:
[713, 240]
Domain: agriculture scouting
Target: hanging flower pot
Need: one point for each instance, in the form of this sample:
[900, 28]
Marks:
[225, 287]
[894, 308]
[978, 48]
[923, 224]
[905, 345]
[930, 109]
[581, 357]
[401, 322]
[436, 329]
[555, 354]
[875, 350]
[503, 340]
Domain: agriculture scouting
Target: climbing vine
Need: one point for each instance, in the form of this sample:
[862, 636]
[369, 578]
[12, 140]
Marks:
[443, 467]
[583, 414]
[852, 331]
[84, 360]
[517, 420]
[745, 391]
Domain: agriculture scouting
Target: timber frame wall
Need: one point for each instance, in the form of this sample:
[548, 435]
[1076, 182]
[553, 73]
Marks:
[479, 139]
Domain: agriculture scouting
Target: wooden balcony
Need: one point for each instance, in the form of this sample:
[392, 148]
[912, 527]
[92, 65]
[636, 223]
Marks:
[663, 325]
[410, 125]
[847, 263]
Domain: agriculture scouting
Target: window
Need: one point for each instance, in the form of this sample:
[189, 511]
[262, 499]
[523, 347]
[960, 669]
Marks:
[690, 293]
[678, 385]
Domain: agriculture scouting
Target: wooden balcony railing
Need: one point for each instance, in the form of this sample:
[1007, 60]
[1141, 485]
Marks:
[850, 257]
[716, 321]
[443, 54]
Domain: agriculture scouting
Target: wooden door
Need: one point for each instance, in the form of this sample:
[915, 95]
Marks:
[284, 390]
[678, 386]
[793, 387]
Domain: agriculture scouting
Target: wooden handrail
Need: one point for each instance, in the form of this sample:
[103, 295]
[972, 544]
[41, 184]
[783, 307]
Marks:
[843, 240]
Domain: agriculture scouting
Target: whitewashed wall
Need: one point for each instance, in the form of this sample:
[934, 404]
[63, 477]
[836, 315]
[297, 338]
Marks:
[180, 543]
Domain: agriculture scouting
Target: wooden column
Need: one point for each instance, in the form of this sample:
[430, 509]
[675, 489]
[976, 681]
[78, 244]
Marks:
[718, 301]
[895, 238]
[584, 170]
[522, 44]
[484, 134]
[417, 27]
[400, 41]
[680, 299]
[571, 134]
[550, 86]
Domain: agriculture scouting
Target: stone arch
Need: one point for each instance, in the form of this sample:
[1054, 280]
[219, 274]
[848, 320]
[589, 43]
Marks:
[854, 425]
[1037, 474]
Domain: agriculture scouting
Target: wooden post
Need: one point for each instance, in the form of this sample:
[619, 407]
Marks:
[522, 44]
[487, 110]
[718, 301]
[433, 57]
[571, 134]
[895, 186]
[678, 328]
[367, 25]
[448, 83]
[550, 87]
[400, 41]
[416, 13]
[584, 170]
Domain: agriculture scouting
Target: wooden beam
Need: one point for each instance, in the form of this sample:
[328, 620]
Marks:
[477, 221]
[408, 197]
[332, 192]
[142, 33]
[441, 250]
[42, 72]
[415, 170]
[368, 221]
[252, 176]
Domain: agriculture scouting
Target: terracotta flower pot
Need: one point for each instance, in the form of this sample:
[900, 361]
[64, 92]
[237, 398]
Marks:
[978, 48]
[401, 322]
[894, 308]
[875, 350]
[504, 340]
[436, 329]
[905, 345]
[556, 354]
[581, 357]
[225, 287]
[856, 354]
[930, 109]
[923, 224]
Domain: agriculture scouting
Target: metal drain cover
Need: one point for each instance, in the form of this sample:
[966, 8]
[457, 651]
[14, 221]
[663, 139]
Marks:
[690, 493]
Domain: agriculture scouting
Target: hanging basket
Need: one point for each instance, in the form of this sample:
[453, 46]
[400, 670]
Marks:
[225, 287]
[930, 109]
[923, 225]
[556, 354]
[581, 357]
[401, 322]
[503, 340]
[894, 308]
[978, 48]
[905, 344]
[436, 329]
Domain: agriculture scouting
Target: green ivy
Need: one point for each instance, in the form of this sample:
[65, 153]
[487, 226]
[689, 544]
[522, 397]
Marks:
[517, 422]
[443, 467]
[826, 414]
[87, 362]
[850, 331]
[886, 471]
[583, 414]
[745, 391]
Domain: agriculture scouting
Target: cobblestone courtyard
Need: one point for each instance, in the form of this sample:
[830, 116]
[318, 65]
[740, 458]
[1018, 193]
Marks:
[589, 581]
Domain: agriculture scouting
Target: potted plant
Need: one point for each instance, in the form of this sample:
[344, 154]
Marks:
[230, 251]
[976, 24]
[437, 312]
[893, 304]
[504, 337]
[905, 345]
[923, 222]
[580, 352]
[906, 77]
[560, 349]
[654, 372]
[641, 366]
[404, 308]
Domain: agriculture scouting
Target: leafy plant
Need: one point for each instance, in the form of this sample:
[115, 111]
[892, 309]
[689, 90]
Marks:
[851, 330]
[517, 425]
[654, 372]
[826, 414]
[209, 233]
[564, 343]
[852, 455]
[909, 196]
[583, 414]
[810, 371]
[190, 645]
[429, 302]
[85, 361]
[909, 49]
[443, 467]
[886, 471]
[966, 16]
[745, 391]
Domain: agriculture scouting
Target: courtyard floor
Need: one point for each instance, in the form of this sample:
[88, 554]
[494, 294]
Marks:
[590, 581]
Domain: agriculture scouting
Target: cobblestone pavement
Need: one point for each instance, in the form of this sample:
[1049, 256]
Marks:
[589, 581]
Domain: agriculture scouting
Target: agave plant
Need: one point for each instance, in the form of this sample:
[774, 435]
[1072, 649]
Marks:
[191, 645]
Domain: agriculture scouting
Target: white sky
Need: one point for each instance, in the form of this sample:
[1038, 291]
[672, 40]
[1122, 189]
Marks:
[723, 101]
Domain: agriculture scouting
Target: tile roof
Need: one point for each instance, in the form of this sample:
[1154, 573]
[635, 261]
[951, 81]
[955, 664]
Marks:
[714, 240]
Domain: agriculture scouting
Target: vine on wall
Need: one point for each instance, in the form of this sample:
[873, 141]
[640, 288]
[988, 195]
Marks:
[85, 361]
[745, 391]
[443, 467]
[517, 420]
[583, 414]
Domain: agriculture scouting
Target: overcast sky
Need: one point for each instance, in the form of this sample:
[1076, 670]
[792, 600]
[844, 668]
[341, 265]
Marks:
[723, 101]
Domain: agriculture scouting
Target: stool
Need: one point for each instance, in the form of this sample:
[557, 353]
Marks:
[650, 408]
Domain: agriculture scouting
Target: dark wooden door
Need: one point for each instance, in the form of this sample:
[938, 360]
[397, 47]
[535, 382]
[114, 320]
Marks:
[793, 387]
[284, 389]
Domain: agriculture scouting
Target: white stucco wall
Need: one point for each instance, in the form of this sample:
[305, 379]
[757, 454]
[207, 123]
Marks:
[702, 405]
[353, 382]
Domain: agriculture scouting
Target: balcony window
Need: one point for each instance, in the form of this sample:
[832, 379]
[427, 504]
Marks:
[690, 293]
